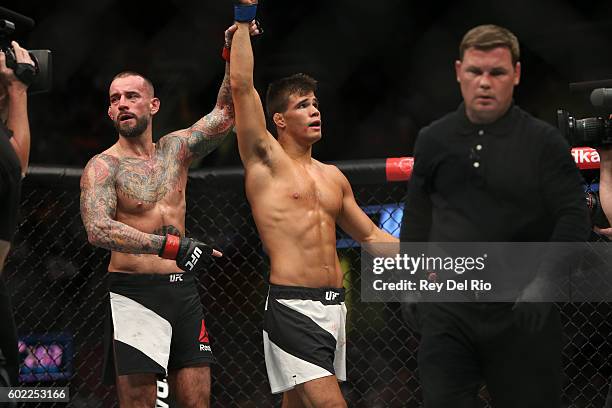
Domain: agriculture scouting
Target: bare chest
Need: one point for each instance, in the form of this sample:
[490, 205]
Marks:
[303, 191]
[143, 184]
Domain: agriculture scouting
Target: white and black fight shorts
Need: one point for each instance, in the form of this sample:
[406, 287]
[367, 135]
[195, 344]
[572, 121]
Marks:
[304, 335]
[154, 324]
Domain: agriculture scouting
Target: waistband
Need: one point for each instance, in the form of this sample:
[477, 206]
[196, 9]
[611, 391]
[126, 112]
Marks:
[149, 279]
[333, 296]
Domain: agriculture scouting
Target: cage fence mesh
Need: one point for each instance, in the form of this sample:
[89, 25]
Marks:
[58, 286]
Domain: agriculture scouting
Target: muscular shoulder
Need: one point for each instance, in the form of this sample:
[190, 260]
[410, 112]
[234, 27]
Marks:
[334, 173]
[174, 144]
[100, 169]
[104, 160]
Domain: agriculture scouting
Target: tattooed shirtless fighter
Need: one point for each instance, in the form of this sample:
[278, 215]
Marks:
[133, 203]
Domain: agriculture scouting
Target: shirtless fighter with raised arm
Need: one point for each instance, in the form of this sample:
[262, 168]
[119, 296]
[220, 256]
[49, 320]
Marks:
[296, 203]
[133, 203]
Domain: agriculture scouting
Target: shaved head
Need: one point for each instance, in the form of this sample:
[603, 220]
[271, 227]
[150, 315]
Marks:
[148, 84]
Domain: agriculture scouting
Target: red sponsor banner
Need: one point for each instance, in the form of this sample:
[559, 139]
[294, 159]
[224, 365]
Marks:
[399, 168]
[586, 158]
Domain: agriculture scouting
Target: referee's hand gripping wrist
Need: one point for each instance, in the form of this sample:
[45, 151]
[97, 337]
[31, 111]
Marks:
[186, 251]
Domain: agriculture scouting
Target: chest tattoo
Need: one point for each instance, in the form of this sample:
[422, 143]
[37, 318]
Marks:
[147, 181]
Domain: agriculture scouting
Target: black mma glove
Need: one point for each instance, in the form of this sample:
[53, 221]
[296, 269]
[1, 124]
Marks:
[186, 251]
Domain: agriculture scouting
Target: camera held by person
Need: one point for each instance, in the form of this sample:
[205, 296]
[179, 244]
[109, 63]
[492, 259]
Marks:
[596, 131]
[593, 132]
[37, 77]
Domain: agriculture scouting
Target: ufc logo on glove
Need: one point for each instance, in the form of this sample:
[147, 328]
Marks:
[195, 257]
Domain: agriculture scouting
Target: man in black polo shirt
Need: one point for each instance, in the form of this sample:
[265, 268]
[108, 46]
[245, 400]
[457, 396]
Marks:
[491, 172]
[14, 156]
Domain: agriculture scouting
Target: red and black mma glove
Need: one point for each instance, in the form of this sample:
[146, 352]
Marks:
[186, 251]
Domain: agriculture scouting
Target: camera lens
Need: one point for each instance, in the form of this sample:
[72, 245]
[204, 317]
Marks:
[590, 130]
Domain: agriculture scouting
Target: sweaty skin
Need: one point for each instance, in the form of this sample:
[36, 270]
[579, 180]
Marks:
[295, 211]
[134, 193]
[296, 200]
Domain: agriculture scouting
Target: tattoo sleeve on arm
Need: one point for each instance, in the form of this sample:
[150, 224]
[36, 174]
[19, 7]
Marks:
[168, 229]
[207, 133]
[98, 207]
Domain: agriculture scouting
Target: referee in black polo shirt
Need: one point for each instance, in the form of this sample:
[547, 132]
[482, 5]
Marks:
[490, 172]
[14, 156]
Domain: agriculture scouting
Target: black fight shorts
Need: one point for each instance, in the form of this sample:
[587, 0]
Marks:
[304, 335]
[154, 324]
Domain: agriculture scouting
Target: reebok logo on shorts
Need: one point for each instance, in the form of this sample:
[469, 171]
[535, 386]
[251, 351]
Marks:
[203, 333]
[204, 338]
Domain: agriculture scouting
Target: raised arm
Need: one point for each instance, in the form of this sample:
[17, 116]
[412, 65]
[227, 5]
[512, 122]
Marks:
[358, 225]
[207, 133]
[254, 141]
[98, 206]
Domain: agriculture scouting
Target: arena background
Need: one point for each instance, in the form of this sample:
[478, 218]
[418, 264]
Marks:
[385, 70]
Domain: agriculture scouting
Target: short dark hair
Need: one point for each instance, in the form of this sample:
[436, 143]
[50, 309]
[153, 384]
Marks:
[489, 36]
[277, 95]
[148, 82]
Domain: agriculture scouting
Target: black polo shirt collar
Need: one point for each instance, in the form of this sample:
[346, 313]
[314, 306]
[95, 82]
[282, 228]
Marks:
[502, 126]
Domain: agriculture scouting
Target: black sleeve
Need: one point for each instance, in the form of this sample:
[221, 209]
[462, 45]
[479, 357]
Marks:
[564, 199]
[416, 221]
[7, 158]
[3, 182]
[561, 184]
[8, 334]
[10, 191]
